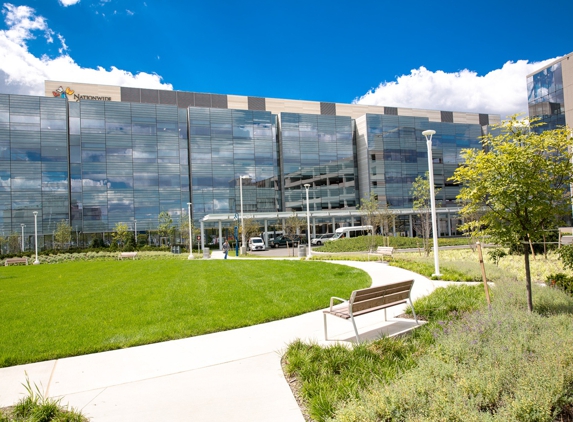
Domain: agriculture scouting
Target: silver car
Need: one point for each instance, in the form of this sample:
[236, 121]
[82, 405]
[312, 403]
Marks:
[321, 238]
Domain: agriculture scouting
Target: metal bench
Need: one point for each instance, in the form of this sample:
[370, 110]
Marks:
[131, 255]
[373, 299]
[382, 251]
[9, 261]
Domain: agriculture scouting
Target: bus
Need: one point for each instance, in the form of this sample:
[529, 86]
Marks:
[349, 232]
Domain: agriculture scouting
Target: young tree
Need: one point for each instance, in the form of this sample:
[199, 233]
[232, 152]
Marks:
[422, 203]
[63, 234]
[252, 228]
[292, 226]
[369, 206]
[121, 234]
[520, 181]
[165, 226]
[14, 244]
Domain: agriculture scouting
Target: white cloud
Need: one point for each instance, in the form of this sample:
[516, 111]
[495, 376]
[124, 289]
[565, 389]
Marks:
[501, 91]
[129, 12]
[21, 72]
[67, 3]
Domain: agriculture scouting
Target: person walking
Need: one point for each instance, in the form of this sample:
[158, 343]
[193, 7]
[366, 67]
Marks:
[226, 248]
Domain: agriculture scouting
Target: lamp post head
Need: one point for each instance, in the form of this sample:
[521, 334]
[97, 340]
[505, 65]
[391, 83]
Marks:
[35, 213]
[428, 134]
[306, 186]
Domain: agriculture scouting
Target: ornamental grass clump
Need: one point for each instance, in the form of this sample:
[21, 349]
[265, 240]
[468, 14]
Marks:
[506, 364]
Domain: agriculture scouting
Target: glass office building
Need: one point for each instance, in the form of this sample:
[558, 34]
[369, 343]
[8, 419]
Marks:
[125, 155]
[550, 93]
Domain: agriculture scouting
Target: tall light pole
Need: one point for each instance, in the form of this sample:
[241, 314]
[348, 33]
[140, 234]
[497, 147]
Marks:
[23, 225]
[243, 247]
[190, 234]
[135, 232]
[36, 262]
[306, 187]
[428, 134]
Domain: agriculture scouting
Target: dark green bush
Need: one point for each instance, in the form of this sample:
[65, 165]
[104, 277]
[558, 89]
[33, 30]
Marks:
[362, 243]
[561, 281]
[566, 255]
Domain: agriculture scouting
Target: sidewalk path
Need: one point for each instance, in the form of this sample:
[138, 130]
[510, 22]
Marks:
[233, 375]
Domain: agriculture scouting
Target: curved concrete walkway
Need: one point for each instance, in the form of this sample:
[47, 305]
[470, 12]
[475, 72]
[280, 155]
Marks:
[227, 376]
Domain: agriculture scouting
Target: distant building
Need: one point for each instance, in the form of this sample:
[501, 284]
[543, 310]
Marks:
[98, 155]
[550, 93]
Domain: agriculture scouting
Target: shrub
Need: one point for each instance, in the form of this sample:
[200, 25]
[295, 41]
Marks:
[566, 255]
[561, 281]
[36, 407]
[496, 254]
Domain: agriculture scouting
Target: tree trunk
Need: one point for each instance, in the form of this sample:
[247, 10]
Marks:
[527, 274]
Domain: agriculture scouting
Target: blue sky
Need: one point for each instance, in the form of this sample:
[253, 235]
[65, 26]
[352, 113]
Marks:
[448, 55]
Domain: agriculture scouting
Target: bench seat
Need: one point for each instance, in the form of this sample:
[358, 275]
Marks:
[368, 300]
[9, 261]
[131, 255]
[382, 251]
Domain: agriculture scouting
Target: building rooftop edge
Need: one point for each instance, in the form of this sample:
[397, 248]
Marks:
[277, 99]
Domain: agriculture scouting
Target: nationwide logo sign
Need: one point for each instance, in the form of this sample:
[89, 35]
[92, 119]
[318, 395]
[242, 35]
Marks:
[68, 93]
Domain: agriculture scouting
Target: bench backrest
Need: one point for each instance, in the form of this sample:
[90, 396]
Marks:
[385, 249]
[380, 296]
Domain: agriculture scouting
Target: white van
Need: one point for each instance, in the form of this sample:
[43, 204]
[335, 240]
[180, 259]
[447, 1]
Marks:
[349, 232]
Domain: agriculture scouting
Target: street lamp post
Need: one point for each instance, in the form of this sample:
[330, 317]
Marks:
[36, 262]
[190, 234]
[306, 187]
[243, 247]
[23, 225]
[428, 134]
[135, 232]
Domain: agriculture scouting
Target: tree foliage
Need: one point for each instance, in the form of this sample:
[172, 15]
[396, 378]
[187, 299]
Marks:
[121, 234]
[420, 192]
[63, 234]
[252, 228]
[376, 216]
[293, 225]
[519, 181]
[165, 226]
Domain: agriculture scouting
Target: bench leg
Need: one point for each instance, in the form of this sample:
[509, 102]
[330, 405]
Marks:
[413, 311]
[325, 333]
[355, 330]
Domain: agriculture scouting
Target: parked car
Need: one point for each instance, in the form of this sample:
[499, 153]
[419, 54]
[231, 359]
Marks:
[256, 244]
[282, 241]
[321, 238]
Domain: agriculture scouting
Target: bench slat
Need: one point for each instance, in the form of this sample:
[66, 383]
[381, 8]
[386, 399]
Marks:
[370, 300]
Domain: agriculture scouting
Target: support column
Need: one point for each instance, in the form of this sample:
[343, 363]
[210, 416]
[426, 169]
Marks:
[266, 238]
[449, 224]
[220, 235]
[202, 236]
[411, 226]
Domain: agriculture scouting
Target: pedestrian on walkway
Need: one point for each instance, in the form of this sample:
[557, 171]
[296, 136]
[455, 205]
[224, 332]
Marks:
[226, 248]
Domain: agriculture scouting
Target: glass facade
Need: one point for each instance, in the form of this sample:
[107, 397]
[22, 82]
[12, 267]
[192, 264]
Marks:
[99, 163]
[317, 150]
[545, 96]
[33, 164]
[228, 144]
[397, 153]
[127, 162]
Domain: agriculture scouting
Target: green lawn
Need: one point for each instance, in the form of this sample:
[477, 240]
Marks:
[74, 308]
